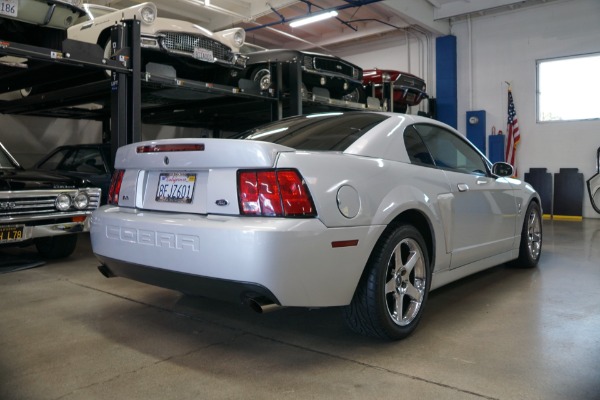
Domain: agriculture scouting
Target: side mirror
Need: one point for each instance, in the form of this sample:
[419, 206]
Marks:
[503, 169]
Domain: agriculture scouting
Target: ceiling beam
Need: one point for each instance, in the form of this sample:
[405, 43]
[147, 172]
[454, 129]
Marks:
[419, 12]
[458, 8]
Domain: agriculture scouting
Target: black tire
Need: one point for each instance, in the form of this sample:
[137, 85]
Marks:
[55, 247]
[262, 76]
[530, 247]
[390, 298]
[356, 96]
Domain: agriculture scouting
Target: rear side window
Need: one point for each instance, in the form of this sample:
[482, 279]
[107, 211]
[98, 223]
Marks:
[317, 132]
[416, 149]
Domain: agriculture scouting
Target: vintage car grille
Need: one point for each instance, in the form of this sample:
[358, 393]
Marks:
[406, 81]
[183, 43]
[335, 66]
[33, 205]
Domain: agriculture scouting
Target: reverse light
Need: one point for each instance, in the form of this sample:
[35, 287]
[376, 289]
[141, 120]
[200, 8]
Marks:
[274, 193]
[115, 187]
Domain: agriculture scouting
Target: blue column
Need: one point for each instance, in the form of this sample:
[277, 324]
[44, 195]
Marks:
[446, 80]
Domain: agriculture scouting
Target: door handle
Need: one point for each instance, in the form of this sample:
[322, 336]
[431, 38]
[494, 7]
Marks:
[462, 187]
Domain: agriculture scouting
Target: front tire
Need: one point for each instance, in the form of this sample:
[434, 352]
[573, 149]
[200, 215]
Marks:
[391, 295]
[530, 247]
[55, 247]
[262, 76]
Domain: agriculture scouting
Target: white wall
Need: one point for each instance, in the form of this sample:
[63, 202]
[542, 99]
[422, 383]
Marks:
[505, 47]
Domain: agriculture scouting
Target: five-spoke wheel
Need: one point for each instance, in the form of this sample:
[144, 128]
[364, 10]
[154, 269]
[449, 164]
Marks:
[389, 300]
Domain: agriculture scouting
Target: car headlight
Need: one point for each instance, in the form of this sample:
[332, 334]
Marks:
[81, 201]
[238, 38]
[62, 202]
[386, 76]
[308, 62]
[148, 14]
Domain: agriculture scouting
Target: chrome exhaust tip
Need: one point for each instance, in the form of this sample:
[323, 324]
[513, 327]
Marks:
[104, 270]
[261, 305]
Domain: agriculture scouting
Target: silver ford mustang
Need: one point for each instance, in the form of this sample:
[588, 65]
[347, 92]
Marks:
[364, 210]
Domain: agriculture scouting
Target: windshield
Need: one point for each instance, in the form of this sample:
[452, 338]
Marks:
[250, 48]
[6, 160]
[96, 11]
[321, 132]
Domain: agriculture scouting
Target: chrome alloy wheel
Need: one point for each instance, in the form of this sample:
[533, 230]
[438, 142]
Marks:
[406, 282]
[534, 234]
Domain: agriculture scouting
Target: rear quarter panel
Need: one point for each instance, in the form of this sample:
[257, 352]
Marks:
[386, 189]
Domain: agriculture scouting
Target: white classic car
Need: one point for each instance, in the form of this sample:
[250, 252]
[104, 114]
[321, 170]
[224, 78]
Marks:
[191, 49]
[364, 210]
[37, 23]
[59, 14]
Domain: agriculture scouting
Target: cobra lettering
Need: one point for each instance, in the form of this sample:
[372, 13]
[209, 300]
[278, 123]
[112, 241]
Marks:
[152, 238]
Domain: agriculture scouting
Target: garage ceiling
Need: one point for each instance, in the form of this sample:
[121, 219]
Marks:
[266, 21]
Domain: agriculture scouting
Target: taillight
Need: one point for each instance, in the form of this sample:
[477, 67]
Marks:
[115, 187]
[274, 193]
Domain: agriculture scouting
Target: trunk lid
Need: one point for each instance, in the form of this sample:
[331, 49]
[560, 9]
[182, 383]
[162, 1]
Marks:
[197, 176]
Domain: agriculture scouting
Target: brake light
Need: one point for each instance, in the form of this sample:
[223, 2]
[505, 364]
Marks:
[115, 187]
[274, 193]
[160, 148]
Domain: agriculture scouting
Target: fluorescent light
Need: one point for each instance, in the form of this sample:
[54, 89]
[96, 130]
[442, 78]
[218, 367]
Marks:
[313, 18]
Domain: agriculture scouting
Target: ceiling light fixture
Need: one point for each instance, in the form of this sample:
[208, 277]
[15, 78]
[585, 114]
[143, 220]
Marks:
[313, 18]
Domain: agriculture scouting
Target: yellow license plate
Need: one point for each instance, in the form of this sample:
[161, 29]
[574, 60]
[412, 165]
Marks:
[11, 233]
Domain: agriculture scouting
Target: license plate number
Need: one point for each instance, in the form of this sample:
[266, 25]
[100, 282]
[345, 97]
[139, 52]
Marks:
[11, 233]
[9, 7]
[204, 55]
[176, 187]
[410, 97]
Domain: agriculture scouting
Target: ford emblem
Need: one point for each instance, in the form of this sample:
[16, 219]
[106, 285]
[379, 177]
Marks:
[221, 202]
[166, 160]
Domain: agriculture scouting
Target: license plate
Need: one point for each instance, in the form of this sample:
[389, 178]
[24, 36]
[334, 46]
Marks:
[11, 233]
[203, 54]
[176, 187]
[410, 97]
[9, 7]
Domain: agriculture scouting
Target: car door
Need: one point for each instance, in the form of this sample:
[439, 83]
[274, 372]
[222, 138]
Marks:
[483, 216]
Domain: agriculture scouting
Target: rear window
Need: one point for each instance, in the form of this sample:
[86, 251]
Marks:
[316, 132]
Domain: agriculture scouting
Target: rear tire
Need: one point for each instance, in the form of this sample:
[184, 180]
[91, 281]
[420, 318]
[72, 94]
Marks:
[391, 295]
[55, 247]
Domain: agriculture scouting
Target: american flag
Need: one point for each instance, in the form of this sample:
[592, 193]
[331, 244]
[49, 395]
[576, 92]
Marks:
[513, 131]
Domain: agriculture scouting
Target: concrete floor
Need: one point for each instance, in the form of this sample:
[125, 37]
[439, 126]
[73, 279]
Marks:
[66, 332]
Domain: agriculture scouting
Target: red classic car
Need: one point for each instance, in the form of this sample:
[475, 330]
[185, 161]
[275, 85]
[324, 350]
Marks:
[405, 89]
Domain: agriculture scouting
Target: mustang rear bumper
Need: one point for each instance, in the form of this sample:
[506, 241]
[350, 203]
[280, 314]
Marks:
[293, 262]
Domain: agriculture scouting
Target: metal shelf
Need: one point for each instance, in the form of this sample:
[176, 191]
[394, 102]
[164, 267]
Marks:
[72, 83]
